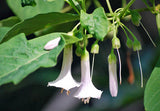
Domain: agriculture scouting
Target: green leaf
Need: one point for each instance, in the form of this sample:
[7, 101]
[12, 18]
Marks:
[28, 3]
[19, 57]
[135, 17]
[95, 23]
[158, 22]
[70, 39]
[6, 24]
[42, 6]
[38, 22]
[3, 32]
[152, 91]
[9, 22]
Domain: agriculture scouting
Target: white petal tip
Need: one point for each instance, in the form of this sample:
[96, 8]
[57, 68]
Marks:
[52, 44]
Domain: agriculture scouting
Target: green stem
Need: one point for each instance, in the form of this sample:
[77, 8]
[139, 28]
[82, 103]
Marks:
[129, 31]
[70, 2]
[109, 6]
[124, 3]
[146, 4]
[75, 27]
[124, 32]
[143, 9]
[66, 9]
[83, 5]
[126, 8]
[97, 4]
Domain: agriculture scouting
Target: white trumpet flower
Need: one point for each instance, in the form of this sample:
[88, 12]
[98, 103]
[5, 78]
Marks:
[113, 85]
[52, 44]
[65, 79]
[86, 90]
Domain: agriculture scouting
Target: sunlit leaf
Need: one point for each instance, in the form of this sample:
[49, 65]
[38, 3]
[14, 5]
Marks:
[19, 57]
[96, 23]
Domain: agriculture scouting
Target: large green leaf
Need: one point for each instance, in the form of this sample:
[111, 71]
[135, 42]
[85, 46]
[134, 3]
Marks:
[19, 57]
[38, 22]
[96, 23]
[152, 91]
[42, 6]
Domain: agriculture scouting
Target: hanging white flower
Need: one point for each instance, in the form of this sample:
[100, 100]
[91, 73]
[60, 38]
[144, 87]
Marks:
[52, 44]
[86, 90]
[65, 79]
[113, 85]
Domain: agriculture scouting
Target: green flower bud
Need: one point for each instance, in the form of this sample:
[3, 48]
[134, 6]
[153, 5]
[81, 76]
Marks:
[78, 51]
[136, 45]
[81, 43]
[95, 48]
[116, 43]
[129, 43]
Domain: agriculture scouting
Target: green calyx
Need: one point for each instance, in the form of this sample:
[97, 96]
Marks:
[129, 43]
[85, 55]
[136, 45]
[112, 58]
[116, 43]
[95, 48]
[78, 51]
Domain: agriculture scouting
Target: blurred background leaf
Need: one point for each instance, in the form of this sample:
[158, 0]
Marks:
[38, 22]
[42, 6]
[152, 91]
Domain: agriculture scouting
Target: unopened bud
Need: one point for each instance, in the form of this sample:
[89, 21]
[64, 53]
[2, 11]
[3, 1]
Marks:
[116, 43]
[95, 48]
[78, 51]
[52, 44]
[136, 45]
[129, 43]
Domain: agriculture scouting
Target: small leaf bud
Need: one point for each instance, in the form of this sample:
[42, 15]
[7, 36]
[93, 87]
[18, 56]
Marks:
[129, 43]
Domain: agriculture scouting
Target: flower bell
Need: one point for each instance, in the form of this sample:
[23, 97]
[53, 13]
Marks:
[65, 79]
[86, 89]
[113, 85]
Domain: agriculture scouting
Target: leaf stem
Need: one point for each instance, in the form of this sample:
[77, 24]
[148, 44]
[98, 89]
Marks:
[126, 8]
[109, 6]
